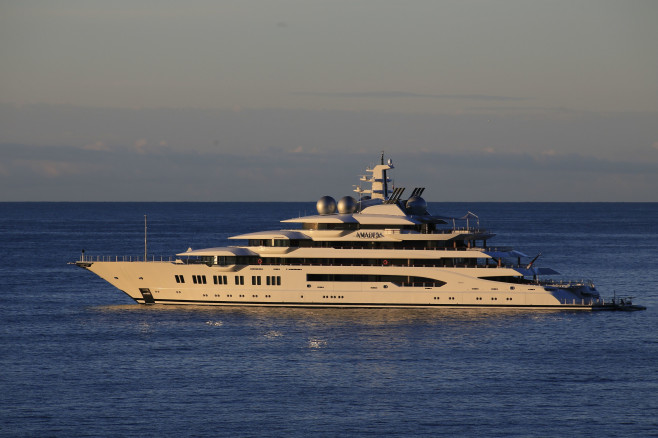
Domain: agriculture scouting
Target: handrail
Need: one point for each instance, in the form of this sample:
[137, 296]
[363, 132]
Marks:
[566, 282]
[125, 258]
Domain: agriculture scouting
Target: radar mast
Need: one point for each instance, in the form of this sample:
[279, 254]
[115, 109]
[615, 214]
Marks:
[379, 180]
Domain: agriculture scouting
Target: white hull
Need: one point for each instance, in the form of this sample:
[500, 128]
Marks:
[154, 283]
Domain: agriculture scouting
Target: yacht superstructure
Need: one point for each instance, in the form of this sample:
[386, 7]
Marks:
[378, 251]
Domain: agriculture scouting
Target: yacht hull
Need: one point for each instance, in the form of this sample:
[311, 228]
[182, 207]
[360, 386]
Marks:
[288, 286]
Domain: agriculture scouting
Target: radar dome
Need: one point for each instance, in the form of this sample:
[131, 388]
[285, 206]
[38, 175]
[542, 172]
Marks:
[346, 205]
[326, 205]
[416, 206]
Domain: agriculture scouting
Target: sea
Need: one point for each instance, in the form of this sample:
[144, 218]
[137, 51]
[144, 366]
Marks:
[78, 358]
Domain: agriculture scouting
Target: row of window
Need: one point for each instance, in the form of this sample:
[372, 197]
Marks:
[240, 296]
[493, 299]
[365, 244]
[447, 262]
[421, 228]
[270, 280]
[398, 280]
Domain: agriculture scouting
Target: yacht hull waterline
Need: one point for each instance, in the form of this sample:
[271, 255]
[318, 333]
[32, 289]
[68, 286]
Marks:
[375, 252]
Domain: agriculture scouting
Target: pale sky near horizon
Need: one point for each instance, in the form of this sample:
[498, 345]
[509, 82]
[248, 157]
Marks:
[290, 100]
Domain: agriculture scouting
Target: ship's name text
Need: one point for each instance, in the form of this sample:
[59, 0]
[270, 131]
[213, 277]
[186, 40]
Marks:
[369, 235]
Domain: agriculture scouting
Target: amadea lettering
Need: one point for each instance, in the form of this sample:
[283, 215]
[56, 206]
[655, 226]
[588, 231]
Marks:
[369, 234]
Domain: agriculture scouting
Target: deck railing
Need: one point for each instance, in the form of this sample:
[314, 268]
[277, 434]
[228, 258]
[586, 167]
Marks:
[170, 259]
[126, 258]
[567, 283]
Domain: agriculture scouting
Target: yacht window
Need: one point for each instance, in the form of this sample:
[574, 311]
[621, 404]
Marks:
[399, 280]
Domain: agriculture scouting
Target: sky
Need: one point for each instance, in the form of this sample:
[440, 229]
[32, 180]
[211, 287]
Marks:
[280, 100]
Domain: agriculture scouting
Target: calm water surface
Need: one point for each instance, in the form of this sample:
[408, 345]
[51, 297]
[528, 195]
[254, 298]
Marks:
[78, 358]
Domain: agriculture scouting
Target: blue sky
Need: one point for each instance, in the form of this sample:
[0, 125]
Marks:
[290, 100]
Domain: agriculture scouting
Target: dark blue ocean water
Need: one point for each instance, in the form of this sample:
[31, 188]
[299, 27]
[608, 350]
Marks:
[78, 358]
